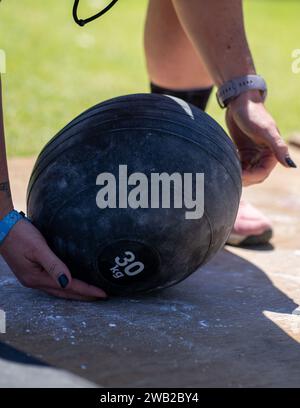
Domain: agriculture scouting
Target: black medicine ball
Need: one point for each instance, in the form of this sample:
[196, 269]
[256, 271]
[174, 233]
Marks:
[136, 193]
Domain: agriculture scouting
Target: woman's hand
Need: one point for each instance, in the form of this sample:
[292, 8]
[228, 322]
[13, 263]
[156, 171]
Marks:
[36, 266]
[257, 138]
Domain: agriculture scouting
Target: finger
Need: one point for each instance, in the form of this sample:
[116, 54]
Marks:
[249, 177]
[259, 168]
[262, 162]
[84, 289]
[268, 135]
[259, 172]
[66, 294]
[278, 146]
[75, 287]
[55, 268]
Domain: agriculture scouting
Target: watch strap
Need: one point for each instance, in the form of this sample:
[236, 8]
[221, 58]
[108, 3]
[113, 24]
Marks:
[236, 86]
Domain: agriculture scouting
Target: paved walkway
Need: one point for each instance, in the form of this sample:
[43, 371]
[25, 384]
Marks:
[230, 324]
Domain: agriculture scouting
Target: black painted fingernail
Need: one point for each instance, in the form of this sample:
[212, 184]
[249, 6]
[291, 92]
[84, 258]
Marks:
[290, 162]
[63, 281]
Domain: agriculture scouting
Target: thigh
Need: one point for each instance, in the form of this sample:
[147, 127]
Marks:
[172, 60]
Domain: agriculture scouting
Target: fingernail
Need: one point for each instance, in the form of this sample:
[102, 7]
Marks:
[63, 281]
[290, 162]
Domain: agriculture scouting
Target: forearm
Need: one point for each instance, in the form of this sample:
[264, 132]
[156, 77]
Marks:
[5, 195]
[216, 28]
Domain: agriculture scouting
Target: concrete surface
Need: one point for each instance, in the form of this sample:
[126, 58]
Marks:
[230, 324]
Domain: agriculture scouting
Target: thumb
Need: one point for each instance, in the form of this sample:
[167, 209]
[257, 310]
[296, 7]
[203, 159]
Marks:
[54, 267]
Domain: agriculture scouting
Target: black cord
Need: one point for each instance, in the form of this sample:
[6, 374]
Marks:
[88, 20]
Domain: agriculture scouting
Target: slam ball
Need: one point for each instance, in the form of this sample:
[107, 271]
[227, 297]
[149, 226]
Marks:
[136, 193]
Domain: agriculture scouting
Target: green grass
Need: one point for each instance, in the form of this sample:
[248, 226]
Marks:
[56, 69]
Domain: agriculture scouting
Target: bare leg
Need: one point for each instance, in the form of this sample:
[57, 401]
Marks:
[171, 58]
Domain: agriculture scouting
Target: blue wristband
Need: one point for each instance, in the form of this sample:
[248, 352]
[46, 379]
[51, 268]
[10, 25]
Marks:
[8, 222]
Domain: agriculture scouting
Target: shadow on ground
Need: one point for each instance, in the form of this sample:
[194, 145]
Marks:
[20, 370]
[219, 328]
[16, 356]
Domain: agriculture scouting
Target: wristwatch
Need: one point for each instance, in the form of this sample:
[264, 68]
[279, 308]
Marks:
[8, 222]
[236, 86]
